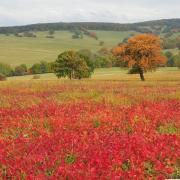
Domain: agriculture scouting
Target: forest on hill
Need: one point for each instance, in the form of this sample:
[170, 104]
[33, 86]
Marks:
[156, 26]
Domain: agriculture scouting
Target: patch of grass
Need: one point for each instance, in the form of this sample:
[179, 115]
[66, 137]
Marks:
[126, 165]
[149, 169]
[168, 129]
[96, 123]
[70, 159]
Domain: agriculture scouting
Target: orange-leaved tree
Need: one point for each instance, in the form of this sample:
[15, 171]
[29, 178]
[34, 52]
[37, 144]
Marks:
[142, 52]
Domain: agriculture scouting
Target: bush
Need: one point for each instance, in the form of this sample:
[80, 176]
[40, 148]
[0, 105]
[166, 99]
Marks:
[20, 70]
[2, 77]
[133, 70]
[41, 68]
[103, 61]
[174, 61]
[6, 69]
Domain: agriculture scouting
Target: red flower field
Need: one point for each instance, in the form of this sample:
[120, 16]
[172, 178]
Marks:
[89, 130]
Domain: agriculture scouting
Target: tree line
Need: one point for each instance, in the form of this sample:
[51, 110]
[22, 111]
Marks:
[158, 26]
[140, 53]
[83, 62]
[21, 70]
[102, 59]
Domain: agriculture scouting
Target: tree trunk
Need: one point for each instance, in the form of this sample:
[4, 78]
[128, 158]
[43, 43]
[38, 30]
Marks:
[141, 73]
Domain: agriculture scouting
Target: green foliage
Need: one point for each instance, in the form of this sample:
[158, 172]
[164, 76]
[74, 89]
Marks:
[168, 35]
[149, 169]
[41, 68]
[104, 58]
[70, 159]
[168, 54]
[49, 172]
[35, 69]
[87, 53]
[134, 70]
[103, 61]
[168, 129]
[166, 25]
[96, 123]
[88, 57]
[20, 70]
[176, 173]
[73, 65]
[174, 61]
[126, 165]
[6, 69]
[169, 43]
[170, 62]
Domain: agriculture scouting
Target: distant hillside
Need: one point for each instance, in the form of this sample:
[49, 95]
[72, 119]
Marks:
[158, 26]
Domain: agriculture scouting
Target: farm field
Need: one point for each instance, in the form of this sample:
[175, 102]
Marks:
[15, 50]
[111, 127]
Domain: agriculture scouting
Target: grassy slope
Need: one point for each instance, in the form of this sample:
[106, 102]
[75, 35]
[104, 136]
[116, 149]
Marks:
[14, 50]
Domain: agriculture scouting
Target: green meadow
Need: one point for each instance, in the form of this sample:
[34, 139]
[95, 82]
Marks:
[16, 50]
[168, 74]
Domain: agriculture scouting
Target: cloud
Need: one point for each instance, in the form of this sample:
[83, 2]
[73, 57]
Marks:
[19, 12]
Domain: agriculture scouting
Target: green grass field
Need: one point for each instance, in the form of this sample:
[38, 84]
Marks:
[15, 50]
[119, 74]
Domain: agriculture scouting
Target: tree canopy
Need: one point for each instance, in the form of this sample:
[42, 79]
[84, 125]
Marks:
[142, 52]
[73, 65]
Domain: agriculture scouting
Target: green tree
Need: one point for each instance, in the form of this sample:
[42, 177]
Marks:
[20, 70]
[169, 55]
[103, 61]
[72, 65]
[104, 58]
[6, 69]
[41, 68]
[45, 67]
[36, 69]
[176, 60]
[88, 56]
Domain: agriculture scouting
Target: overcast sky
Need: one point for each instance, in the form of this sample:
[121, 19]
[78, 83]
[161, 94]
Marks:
[20, 12]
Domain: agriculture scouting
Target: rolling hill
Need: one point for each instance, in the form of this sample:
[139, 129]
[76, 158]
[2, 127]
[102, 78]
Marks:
[157, 25]
[15, 50]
